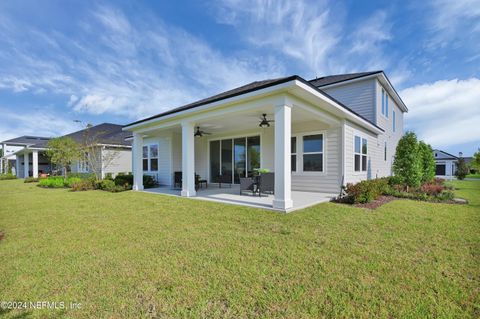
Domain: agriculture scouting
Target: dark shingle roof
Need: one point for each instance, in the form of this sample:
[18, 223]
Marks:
[332, 79]
[257, 85]
[34, 141]
[105, 133]
[254, 86]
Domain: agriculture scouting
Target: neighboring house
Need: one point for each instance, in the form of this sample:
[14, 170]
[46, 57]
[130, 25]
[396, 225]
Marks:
[108, 147]
[29, 155]
[445, 164]
[326, 132]
[111, 153]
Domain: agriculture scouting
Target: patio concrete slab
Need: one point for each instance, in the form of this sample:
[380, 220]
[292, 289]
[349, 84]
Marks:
[232, 196]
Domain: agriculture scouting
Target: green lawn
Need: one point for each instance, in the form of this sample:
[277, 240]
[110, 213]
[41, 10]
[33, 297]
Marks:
[145, 255]
[477, 175]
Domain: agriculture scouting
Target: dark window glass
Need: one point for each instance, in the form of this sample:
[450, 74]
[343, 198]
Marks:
[145, 152]
[226, 147]
[357, 144]
[357, 163]
[385, 152]
[364, 146]
[293, 147]
[145, 164]
[364, 163]
[153, 151]
[253, 154]
[313, 162]
[240, 154]
[294, 163]
[214, 161]
[154, 164]
[313, 143]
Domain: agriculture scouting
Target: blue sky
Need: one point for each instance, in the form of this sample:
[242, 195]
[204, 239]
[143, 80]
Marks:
[119, 61]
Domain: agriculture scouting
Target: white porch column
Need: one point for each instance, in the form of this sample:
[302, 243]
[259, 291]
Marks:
[137, 162]
[26, 167]
[188, 160]
[3, 160]
[35, 164]
[17, 166]
[283, 177]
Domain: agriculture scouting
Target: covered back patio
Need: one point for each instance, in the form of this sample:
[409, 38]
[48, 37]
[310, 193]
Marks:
[231, 195]
[301, 146]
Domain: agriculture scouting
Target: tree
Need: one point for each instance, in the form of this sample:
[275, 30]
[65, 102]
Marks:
[62, 151]
[462, 169]
[97, 157]
[427, 162]
[476, 161]
[407, 164]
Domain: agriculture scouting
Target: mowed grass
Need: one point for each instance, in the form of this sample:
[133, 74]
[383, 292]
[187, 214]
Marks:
[146, 255]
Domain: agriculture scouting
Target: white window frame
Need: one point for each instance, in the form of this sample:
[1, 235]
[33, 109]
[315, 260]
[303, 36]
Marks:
[300, 153]
[82, 164]
[383, 101]
[385, 98]
[149, 158]
[294, 154]
[362, 137]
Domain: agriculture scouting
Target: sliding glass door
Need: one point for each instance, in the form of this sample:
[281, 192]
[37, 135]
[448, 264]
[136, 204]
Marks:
[234, 158]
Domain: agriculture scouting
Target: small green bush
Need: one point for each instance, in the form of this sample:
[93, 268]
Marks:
[108, 176]
[7, 176]
[367, 191]
[30, 180]
[106, 184]
[82, 185]
[52, 182]
[149, 181]
[72, 180]
[124, 179]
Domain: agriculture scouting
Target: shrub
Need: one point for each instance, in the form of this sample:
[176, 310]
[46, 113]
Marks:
[82, 185]
[108, 176]
[368, 190]
[52, 182]
[149, 181]
[124, 179]
[427, 162]
[7, 176]
[72, 180]
[30, 180]
[445, 196]
[462, 169]
[90, 176]
[106, 184]
[432, 189]
[407, 164]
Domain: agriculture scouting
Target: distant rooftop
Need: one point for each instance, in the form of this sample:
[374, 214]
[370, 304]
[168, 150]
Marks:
[26, 140]
[105, 133]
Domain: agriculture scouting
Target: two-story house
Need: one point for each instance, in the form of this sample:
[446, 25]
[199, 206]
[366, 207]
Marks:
[315, 136]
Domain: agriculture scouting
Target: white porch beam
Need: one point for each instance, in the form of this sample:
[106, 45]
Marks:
[137, 162]
[188, 159]
[283, 174]
[35, 164]
[26, 167]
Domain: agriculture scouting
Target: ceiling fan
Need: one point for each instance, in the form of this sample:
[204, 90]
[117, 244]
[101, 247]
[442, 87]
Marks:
[264, 122]
[200, 133]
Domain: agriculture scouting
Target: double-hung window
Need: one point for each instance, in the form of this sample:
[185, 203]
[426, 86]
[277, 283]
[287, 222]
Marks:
[360, 156]
[313, 153]
[294, 153]
[150, 158]
[384, 103]
[393, 120]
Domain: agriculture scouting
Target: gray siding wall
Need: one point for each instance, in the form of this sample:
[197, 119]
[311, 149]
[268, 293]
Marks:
[358, 96]
[121, 163]
[164, 175]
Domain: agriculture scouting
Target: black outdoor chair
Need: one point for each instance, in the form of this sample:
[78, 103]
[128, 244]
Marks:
[247, 184]
[266, 183]
[224, 179]
[177, 179]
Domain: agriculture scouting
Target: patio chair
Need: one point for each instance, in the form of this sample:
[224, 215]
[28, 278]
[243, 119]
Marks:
[266, 183]
[177, 179]
[224, 179]
[247, 184]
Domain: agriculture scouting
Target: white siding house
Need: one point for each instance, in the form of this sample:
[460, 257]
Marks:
[445, 164]
[324, 133]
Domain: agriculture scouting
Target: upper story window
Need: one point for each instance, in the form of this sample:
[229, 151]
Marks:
[393, 121]
[384, 103]
[313, 153]
[385, 152]
[150, 158]
[360, 156]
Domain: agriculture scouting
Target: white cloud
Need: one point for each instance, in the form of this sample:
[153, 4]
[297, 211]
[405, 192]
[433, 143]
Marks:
[39, 122]
[445, 113]
[123, 65]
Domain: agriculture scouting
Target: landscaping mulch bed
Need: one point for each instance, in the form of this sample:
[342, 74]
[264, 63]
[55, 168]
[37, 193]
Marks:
[2, 234]
[377, 203]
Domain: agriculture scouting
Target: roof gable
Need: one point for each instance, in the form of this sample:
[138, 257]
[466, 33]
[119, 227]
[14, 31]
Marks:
[105, 133]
